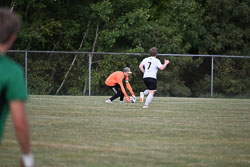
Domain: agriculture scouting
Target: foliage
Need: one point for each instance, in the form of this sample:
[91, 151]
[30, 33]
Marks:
[183, 27]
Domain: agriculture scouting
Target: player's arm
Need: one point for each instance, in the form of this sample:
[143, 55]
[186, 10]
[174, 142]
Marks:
[17, 109]
[141, 67]
[124, 91]
[129, 87]
[164, 65]
[21, 125]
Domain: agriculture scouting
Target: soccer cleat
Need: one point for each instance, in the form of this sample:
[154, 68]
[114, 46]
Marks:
[145, 106]
[141, 97]
[108, 101]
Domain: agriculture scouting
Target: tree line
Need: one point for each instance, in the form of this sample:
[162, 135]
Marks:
[216, 27]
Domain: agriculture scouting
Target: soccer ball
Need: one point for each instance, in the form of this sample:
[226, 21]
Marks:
[132, 99]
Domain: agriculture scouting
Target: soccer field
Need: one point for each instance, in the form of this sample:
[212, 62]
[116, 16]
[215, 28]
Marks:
[77, 131]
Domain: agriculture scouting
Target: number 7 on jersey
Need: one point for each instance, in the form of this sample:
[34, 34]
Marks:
[149, 64]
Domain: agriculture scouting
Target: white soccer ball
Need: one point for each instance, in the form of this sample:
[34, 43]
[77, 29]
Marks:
[132, 99]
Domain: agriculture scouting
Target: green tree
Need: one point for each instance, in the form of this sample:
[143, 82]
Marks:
[186, 27]
[227, 33]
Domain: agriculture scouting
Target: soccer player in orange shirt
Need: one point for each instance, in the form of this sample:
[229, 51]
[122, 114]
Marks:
[115, 82]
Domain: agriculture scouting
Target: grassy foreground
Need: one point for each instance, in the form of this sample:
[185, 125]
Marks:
[72, 131]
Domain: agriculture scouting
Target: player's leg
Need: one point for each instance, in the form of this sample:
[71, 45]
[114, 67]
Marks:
[149, 98]
[119, 92]
[141, 97]
[142, 94]
[151, 84]
[116, 95]
[146, 92]
[121, 97]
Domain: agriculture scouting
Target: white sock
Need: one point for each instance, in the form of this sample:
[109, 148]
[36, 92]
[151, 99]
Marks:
[146, 92]
[149, 99]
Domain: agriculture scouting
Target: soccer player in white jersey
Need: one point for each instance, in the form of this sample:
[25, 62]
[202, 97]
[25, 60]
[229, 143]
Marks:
[149, 67]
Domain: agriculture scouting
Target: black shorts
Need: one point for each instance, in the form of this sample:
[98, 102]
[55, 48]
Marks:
[151, 83]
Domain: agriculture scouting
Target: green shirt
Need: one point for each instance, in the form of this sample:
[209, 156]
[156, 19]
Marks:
[12, 87]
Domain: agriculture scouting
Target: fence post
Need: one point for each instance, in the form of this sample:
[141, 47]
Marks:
[26, 69]
[90, 63]
[212, 75]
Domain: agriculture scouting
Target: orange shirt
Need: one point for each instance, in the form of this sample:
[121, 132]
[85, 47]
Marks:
[117, 78]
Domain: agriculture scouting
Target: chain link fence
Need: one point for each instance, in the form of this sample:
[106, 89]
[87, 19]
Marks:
[84, 73]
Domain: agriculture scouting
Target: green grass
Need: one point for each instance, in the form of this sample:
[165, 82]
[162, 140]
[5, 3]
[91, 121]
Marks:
[74, 131]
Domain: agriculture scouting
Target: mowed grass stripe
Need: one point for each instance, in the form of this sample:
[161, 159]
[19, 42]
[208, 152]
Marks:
[85, 131]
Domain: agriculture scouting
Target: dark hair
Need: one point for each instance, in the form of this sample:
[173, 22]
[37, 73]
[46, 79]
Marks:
[10, 23]
[153, 51]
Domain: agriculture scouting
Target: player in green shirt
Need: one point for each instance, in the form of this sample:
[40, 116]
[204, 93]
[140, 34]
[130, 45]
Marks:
[13, 92]
[12, 87]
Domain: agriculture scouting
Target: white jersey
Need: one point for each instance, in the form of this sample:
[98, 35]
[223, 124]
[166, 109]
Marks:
[151, 66]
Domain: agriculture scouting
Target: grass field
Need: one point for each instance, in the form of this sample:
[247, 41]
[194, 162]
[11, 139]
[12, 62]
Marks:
[74, 131]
